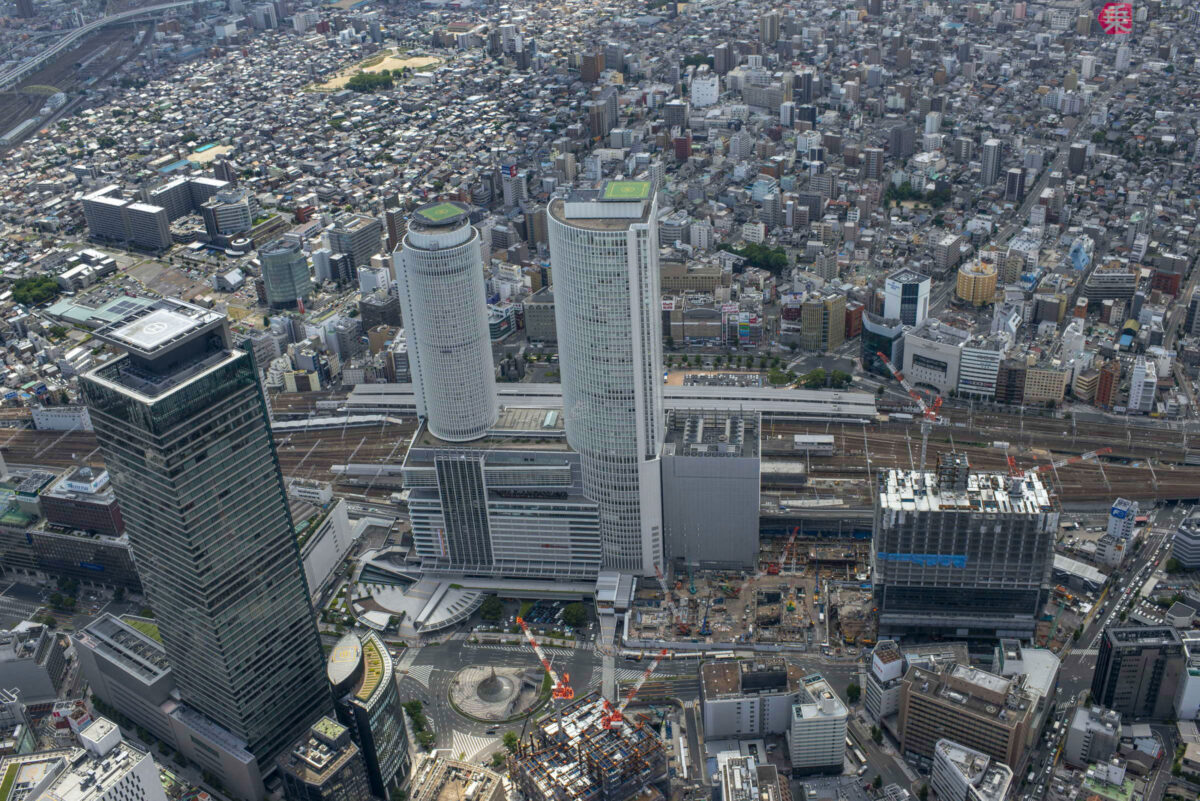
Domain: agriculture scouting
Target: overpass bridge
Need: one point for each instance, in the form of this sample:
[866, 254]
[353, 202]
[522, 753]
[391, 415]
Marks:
[11, 77]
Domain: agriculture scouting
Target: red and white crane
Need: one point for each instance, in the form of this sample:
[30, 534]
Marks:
[613, 717]
[561, 687]
[669, 600]
[929, 414]
[1083, 457]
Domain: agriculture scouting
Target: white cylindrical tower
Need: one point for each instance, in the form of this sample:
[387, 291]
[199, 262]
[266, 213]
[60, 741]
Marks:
[444, 299]
[607, 308]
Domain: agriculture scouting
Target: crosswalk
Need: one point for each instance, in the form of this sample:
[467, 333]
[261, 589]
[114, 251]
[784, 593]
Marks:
[521, 649]
[421, 673]
[1087, 652]
[466, 746]
[622, 674]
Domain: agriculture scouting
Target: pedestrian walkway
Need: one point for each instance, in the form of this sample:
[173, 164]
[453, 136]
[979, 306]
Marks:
[421, 673]
[521, 649]
[467, 746]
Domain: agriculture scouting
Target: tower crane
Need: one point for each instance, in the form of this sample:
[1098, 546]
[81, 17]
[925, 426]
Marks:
[929, 414]
[680, 626]
[561, 687]
[613, 717]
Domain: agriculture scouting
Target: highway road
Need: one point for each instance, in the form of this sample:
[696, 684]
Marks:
[15, 74]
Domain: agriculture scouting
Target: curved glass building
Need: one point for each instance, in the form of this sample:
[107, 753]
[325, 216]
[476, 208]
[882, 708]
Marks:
[440, 274]
[604, 252]
[368, 703]
[285, 273]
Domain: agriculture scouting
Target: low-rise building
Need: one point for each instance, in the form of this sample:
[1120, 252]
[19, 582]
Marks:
[1093, 735]
[964, 774]
[748, 698]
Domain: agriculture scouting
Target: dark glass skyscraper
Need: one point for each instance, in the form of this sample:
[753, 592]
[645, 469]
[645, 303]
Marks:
[182, 424]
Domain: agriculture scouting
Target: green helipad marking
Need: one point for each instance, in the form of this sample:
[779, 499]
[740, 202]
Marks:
[442, 211]
[627, 190]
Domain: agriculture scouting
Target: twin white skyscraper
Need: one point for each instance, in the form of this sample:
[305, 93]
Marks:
[604, 261]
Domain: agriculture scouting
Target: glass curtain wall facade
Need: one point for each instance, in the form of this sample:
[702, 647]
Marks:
[187, 443]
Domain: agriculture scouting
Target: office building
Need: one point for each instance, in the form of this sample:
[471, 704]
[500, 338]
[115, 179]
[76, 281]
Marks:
[872, 163]
[129, 671]
[228, 212]
[817, 737]
[510, 504]
[992, 156]
[881, 335]
[1093, 735]
[368, 703]
[33, 662]
[743, 778]
[444, 299]
[103, 768]
[1186, 545]
[324, 765]
[1014, 184]
[83, 500]
[182, 424]
[539, 316]
[380, 308]
[964, 774]
[357, 236]
[988, 713]
[933, 354]
[1138, 670]
[748, 698]
[285, 274]
[979, 365]
[1187, 697]
[977, 283]
[25, 8]
[1143, 385]
[1121, 519]
[822, 321]
[710, 486]
[604, 247]
[962, 554]
[1077, 157]
[906, 297]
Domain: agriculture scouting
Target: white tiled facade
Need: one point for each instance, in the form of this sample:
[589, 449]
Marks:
[607, 312]
[442, 293]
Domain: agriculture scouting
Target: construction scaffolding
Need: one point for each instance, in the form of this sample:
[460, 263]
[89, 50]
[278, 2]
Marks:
[570, 756]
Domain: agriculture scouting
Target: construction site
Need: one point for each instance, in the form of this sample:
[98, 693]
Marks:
[576, 754]
[808, 592]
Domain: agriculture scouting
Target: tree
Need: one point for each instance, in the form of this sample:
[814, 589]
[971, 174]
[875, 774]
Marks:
[923, 793]
[492, 609]
[853, 693]
[105, 142]
[498, 760]
[426, 740]
[575, 615]
[511, 741]
[814, 379]
[34, 290]
[119, 594]
[878, 781]
[877, 734]
[397, 794]
[839, 379]
[1174, 565]
[1078, 633]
